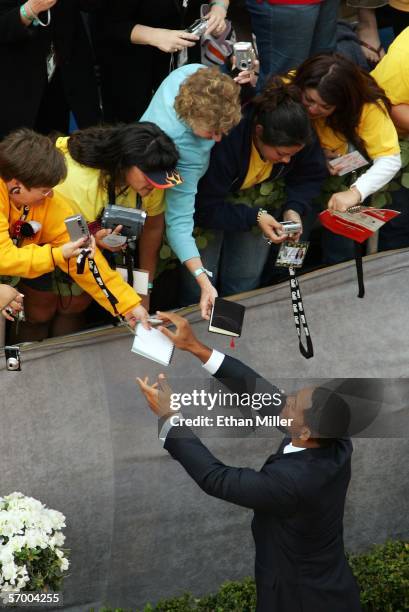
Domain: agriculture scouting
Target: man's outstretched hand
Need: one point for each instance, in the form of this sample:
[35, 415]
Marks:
[183, 337]
[157, 395]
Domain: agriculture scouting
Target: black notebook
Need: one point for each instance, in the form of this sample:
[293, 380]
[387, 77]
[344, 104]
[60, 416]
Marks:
[227, 318]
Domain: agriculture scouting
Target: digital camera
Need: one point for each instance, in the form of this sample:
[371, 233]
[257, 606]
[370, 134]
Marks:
[245, 55]
[291, 227]
[198, 27]
[131, 219]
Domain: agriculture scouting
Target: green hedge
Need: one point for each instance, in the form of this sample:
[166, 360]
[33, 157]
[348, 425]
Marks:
[382, 574]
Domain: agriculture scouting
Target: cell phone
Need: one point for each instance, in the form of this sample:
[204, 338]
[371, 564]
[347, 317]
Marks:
[77, 228]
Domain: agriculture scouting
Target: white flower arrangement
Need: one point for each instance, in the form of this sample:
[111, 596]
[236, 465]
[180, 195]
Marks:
[31, 557]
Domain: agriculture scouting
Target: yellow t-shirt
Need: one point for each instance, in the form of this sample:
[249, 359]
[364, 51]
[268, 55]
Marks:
[392, 72]
[401, 5]
[83, 189]
[375, 128]
[258, 170]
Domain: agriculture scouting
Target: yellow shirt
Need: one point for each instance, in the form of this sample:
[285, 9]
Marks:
[401, 5]
[392, 72]
[375, 128]
[258, 170]
[42, 252]
[83, 189]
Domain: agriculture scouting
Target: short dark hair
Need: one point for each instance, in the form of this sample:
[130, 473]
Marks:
[280, 112]
[113, 149]
[32, 159]
[329, 415]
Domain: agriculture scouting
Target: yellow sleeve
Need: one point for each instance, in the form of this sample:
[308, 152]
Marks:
[58, 235]
[29, 261]
[378, 132]
[392, 72]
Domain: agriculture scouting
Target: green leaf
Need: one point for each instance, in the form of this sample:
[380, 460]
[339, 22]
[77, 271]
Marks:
[201, 242]
[405, 179]
[379, 200]
[165, 252]
[266, 188]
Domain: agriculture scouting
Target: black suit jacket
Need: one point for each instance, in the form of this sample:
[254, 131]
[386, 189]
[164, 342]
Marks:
[298, 502]
[23, 53]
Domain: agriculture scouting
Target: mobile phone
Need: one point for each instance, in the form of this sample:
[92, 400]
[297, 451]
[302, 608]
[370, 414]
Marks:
[77, 228]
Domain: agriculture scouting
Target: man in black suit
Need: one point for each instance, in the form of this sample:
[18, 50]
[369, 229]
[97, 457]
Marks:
[298, 496]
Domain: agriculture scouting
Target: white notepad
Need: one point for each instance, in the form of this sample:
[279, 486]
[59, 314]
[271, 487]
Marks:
[151, 343]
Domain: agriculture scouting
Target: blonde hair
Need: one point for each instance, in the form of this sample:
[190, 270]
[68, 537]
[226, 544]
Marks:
[209, 98]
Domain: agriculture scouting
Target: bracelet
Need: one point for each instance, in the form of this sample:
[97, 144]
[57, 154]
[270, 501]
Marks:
[24, 14]
[199, 271]
[218, 4]
[261, 212]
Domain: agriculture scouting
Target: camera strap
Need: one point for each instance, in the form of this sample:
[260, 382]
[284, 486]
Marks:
[359, 268]
[81, 259]
[299, 316]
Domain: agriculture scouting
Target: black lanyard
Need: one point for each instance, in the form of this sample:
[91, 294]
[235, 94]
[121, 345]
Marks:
[82, 257]
[299, 316]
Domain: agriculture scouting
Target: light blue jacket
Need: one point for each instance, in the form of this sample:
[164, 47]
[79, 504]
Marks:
[194, 157]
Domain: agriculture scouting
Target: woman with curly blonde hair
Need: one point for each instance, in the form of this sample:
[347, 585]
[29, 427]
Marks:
[196, 107]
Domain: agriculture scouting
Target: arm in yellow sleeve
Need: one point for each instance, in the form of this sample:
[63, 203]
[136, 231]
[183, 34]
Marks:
[29, 261]
[126, 296]
[57, 235]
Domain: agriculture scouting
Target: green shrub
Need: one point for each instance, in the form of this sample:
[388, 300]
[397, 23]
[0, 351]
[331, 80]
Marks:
[382, 574]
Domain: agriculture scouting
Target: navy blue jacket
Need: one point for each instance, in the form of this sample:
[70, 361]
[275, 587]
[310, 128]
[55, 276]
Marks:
[229, 163]
[298, 501]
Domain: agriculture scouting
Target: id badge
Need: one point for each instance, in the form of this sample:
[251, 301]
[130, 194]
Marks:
[182, 57]
[291, 254]
[140, 279]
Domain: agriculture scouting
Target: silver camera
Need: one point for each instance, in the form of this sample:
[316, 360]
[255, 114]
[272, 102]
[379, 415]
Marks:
[245, 55]
[131, 219]
[291, 227]
[13, 362]
[198, 27]
[77, 228]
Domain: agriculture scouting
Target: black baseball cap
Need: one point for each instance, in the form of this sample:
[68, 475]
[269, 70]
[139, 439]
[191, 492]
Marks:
[163, 179]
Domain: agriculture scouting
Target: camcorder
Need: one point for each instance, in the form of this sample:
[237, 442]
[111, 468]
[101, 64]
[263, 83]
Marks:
[245, 56]
[131, 219]
[198, 27]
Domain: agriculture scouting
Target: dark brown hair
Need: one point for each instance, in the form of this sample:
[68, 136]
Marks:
[32, 159]
[115, 149]
[280, 112]
[340, 83]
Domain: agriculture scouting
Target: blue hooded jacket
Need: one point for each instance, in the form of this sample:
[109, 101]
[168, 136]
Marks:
[194, 157]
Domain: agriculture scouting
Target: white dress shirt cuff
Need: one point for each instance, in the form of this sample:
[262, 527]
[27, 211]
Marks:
[214, 362]
[167, 426]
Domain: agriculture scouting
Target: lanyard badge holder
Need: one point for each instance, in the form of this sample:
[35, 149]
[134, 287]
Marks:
[291, 255]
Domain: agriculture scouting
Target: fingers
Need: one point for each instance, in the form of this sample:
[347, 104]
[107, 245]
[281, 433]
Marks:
[117, 230]
[163, 384]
